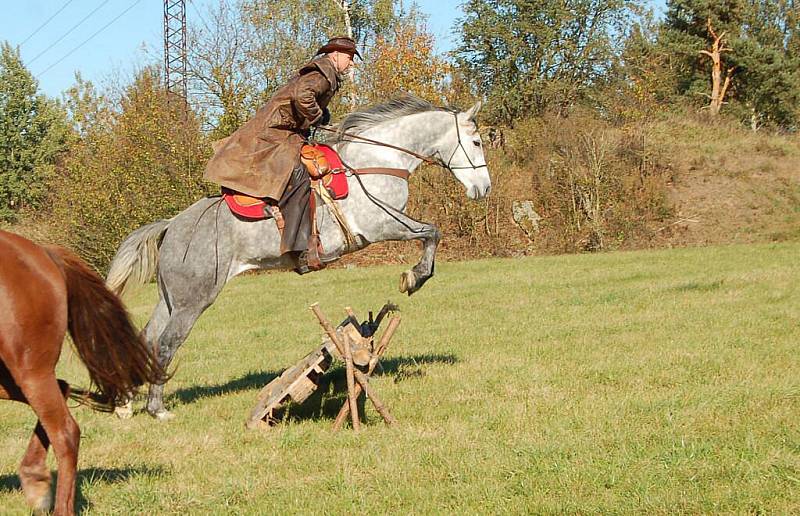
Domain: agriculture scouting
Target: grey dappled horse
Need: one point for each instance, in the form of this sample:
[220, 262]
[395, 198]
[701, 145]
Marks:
[203, 247]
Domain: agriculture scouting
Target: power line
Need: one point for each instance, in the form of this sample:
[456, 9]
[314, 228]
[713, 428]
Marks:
[40, 27]
[104, 27]
[68, 32]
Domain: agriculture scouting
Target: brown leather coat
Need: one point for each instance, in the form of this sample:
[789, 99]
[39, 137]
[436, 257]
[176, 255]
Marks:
[258, 158]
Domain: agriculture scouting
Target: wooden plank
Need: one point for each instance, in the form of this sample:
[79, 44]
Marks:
[294, 382]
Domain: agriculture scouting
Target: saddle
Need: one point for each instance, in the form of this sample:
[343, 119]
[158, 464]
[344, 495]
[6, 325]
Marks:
[325, 165]
[325, 169]
[321, 162]
[328, 182]
[315, 161]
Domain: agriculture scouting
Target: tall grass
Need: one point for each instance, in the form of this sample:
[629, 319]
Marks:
[647, 382]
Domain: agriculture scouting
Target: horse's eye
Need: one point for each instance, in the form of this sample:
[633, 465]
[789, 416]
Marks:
[477, 143]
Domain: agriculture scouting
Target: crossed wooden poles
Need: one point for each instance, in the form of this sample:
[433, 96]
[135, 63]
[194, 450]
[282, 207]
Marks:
[357, 381]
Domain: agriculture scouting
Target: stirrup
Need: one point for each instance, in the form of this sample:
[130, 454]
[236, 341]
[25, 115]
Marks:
[304, 267]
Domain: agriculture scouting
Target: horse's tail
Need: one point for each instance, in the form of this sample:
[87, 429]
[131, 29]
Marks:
[136, 260]
[106, 341]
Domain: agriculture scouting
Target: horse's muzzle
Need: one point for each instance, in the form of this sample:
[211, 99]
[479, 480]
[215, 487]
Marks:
[476, 192]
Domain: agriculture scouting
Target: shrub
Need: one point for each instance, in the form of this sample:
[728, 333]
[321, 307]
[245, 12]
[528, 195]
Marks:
[145, 163]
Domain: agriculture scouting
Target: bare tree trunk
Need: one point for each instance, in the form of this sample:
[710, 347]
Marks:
[344, 5]
[719, 87]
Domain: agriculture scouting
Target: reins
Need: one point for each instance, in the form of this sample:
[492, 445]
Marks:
[399, 172]
[426, 159]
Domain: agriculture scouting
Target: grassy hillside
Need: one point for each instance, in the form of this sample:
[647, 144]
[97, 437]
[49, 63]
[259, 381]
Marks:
[656, 381]
[730, 184]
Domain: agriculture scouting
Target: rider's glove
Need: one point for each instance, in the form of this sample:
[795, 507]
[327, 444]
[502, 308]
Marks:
[325, 119]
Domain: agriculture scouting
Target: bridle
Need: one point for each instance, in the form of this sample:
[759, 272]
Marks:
[460, 145]
[438, 160]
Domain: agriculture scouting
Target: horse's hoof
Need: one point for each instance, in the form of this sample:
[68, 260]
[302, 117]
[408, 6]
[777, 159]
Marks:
[38, 496]
[407, 281]
[125, 411]
[44, 504]
[163, 415]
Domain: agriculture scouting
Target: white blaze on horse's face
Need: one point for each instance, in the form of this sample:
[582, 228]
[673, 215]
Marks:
[467, 160]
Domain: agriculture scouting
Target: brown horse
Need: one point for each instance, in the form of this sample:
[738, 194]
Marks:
[43, 292]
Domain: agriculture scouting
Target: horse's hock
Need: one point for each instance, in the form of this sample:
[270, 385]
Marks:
[352, 342]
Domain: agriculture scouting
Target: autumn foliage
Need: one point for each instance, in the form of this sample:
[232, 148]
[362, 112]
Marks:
[404, 61]
[144, 163]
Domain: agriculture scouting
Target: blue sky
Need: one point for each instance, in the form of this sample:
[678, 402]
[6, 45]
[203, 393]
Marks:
[135, 37]
[101, 38]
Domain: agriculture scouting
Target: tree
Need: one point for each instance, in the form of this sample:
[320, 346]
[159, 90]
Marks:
[142, 163]
[403, 61]
[718, 87]
[769, 68]
[645, 78]
[222, 76]
[33, 134]
[762, 40]
[528, 55]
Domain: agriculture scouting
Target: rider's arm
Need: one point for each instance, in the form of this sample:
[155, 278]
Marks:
[309, 87]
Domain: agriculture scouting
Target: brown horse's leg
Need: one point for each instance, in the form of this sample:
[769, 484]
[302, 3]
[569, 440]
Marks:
[46, 398]
[34, 475]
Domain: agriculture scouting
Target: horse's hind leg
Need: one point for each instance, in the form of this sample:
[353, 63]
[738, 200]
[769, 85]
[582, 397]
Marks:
[46, 396]
[34, 475]
[152, 331]
[175, 333]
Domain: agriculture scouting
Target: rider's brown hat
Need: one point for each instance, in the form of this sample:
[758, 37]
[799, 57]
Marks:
[340, 44]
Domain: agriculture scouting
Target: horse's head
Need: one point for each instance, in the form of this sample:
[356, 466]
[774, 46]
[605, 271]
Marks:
[461, 151]
[405, 131]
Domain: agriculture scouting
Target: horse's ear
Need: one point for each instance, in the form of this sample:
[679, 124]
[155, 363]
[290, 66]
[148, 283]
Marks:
[473, 111]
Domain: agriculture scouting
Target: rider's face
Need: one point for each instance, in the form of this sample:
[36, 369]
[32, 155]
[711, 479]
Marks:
[342, 61]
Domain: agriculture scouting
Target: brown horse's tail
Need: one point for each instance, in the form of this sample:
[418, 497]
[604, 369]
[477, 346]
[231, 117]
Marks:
[112, 350]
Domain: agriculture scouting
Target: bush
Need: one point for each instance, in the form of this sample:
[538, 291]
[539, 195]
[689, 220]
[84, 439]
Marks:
[594, 186]
[145, 163]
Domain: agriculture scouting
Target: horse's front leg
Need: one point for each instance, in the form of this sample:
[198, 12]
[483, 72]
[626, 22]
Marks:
[376, 209]
[413, 279]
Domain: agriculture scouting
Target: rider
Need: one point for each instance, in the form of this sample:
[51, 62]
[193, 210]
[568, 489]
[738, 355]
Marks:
[261, 158]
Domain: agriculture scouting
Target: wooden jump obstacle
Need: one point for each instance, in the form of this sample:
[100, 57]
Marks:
[352, 342]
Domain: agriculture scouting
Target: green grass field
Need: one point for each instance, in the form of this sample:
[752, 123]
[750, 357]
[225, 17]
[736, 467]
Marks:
[646, 382]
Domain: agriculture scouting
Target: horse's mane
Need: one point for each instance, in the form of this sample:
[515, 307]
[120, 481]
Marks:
[407, 104]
